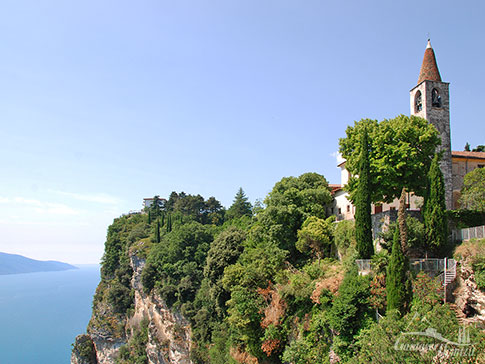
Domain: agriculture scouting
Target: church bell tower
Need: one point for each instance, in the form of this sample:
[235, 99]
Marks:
[430, 99]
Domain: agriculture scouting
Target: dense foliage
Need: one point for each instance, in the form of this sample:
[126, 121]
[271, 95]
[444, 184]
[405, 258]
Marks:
[473, 190]
[400, 150]
[275, 284]
[291, 201]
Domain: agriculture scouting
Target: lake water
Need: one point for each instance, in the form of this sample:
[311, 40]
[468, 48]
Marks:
[42, 313]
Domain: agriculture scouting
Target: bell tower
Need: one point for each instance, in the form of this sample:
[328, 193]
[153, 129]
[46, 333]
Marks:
[430, 99]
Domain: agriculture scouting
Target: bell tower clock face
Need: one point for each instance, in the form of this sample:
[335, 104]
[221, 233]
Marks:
[418, 102]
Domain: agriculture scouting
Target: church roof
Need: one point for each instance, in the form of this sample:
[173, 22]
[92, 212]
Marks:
[429, 68]
[470, 155]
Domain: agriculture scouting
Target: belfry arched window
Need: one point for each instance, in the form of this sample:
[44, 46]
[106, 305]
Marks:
[418, 102]
[435, 98]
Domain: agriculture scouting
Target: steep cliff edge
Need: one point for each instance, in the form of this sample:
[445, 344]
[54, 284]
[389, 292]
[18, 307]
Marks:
[469, 294]
[469, 299]
[112, 337]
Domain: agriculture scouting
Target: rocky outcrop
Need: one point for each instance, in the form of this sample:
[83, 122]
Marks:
[469, 299]
[83, 351]
[169, 332]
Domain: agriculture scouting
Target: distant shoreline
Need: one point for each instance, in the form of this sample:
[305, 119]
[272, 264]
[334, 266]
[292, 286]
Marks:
[18, 264]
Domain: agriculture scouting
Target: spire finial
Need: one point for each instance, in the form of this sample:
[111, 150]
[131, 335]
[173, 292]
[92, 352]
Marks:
[429, 44]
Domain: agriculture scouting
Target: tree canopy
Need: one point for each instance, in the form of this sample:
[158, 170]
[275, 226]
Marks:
[292, 200]
[400, 149]
[473, 190]
[316, 236]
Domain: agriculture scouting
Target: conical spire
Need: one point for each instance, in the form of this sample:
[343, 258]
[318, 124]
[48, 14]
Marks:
[429, 68]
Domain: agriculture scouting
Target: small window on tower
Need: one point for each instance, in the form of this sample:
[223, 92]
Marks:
[418, 104]
[435, 98]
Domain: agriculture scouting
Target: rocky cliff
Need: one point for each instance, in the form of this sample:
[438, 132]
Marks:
[469, 299]
[149, 326]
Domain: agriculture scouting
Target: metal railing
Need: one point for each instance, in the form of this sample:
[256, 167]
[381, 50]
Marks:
[476, 232]
[427, 265]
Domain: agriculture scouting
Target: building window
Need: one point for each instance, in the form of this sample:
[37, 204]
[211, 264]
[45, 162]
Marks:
[481, 166]
[435, 98]
[418, 103]
[348, 208]
[392, 208]
[340, 211]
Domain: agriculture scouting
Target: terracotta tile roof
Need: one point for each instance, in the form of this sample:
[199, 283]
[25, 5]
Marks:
[464, 154]
[429, 68]
[334, 187]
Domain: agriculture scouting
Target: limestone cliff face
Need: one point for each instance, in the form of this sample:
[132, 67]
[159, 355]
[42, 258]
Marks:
[469, 300]
[169, 332]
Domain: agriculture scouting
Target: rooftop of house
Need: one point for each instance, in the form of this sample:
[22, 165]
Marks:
[468, 155]
[334, 187]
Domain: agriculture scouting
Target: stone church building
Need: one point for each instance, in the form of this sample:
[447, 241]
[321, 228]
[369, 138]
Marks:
[429, 99]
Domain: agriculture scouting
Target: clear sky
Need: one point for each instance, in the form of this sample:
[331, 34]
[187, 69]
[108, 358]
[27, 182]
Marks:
[103, 103]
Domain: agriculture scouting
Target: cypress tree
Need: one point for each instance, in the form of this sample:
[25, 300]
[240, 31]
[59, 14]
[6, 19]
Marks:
[363, 222]
[396, 279]
[169, 223]
[157, 233]
[149, 217]
[434, 210]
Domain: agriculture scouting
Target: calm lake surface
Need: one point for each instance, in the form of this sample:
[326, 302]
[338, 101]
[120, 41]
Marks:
[42, 313]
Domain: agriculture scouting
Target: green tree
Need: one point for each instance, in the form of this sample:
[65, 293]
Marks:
[479, 148]
[157, 231]
[240, 207]
[434, 208]
[213, 212]
[316, 236]
[345, 238]
[292, 200]
[415, 237]
[257, 266]
[224, 251]
[156, 206]
[473, 190]
[350, 311]
[400, 149]
[397, 276]
[175, 266]
[363, 222]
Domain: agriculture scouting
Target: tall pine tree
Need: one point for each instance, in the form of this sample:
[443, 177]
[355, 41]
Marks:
[363, 223]
[240, 207]
[435, 207]
[396, 279]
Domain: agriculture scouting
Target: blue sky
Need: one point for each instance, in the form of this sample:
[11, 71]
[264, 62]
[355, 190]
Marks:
[103, 103]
